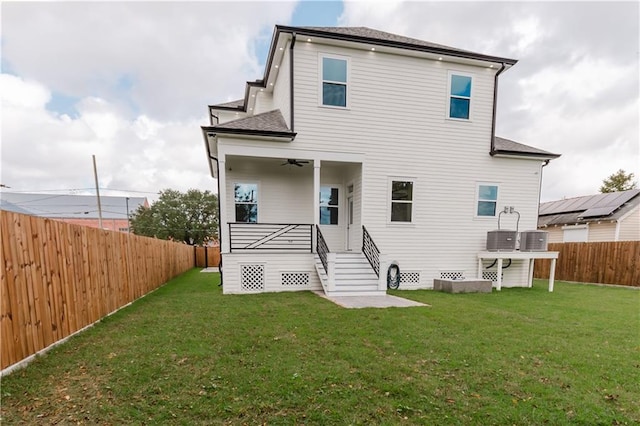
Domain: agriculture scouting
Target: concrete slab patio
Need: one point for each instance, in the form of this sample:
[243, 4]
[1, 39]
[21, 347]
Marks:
[358, 302]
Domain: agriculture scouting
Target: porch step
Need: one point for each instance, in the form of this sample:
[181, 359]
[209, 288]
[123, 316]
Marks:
[353, 276]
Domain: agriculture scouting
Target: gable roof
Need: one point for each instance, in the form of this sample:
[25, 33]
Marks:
[69, 206]
[592, 208]
[504, 146]
[270, 123]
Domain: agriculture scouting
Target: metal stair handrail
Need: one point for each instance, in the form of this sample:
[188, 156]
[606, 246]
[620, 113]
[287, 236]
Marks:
[370, 251]
[322, 249]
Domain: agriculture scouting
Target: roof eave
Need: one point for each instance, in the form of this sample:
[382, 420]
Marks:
[215, 131]
[529, 155]
[396, 44]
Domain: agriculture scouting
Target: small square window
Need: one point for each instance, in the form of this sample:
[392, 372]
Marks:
[487, 200]
[401, 201]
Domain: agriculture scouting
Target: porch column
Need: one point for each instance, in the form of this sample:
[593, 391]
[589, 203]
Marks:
[316, 192]
[316, 200]
[222, 202]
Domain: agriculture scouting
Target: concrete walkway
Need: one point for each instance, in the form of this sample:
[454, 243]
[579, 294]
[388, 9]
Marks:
[210, 269]
[357, 302]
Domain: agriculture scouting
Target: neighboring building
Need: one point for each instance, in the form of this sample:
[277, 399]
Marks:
[613, 216]
[352, 128]
[76, 209]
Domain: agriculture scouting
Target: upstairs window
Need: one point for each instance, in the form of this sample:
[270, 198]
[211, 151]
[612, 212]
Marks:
[487, 200]
[334, 81]
[459, 96]
[246, 201]
[328, 205]
[401, 200]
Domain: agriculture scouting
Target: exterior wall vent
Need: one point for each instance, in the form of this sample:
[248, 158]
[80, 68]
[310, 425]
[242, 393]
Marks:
[410, 277]
[295, 279]
[252, 277]
[533, 240]
[501, 240]
[491, 275]
[452, 275]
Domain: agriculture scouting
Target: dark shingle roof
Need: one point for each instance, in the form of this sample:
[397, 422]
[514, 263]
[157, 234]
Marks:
[266, 122]
[233, 104]
[507, 146]
[369, 35]
[590, 208]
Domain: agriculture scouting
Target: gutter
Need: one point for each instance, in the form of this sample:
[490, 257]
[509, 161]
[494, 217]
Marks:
[293, 43]
[492, 152]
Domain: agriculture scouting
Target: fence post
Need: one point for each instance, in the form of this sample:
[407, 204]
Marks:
[195, 256]
[206, 257]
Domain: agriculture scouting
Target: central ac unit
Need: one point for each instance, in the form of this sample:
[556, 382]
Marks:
[501, 240]
[533, 240]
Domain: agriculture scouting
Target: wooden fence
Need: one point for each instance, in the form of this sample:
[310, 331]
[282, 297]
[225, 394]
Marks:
[206, 257]
[606, 263]
[58, 278]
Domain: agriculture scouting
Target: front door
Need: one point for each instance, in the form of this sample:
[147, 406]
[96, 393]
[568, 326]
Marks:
[350, 227]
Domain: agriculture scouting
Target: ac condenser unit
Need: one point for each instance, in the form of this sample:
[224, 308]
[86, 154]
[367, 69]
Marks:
[501, 240]
[533, 240]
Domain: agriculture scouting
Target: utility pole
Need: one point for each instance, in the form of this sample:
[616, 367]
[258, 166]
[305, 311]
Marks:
[95, 175]
[128, 224]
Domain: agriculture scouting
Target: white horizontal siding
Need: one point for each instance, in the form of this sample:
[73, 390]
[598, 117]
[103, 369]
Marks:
[282, 89]
[275, 264]
[630, 227]
[605, 231]
[264, 102]
[555, 234]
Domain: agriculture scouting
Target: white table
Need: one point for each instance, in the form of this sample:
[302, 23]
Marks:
[523, 255]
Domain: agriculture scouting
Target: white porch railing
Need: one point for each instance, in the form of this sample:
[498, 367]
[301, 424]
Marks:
[271, 236]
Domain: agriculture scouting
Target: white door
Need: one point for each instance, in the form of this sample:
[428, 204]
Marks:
[350, 227]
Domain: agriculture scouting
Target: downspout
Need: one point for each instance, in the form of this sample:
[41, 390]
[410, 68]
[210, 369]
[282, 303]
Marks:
[546, 162]
[495, 107]
[219, 224]
[293, 42]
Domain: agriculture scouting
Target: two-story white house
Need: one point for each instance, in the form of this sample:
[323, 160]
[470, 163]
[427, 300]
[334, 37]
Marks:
[358, 149]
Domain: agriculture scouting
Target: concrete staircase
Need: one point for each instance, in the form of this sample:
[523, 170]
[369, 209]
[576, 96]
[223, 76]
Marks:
[352, 276]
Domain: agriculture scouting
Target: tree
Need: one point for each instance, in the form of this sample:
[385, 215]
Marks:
[191, 217]
[619, 181]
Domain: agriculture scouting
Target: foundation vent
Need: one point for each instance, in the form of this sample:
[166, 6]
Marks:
[295, 279]
[410, 277]
[252, 277]
[452, 275]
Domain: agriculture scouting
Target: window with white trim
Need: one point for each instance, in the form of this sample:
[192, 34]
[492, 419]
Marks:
[487, 200]
[246, 202]
[334, 73]
[575, 234]
[329, 196]
[401, 203]
[459, 96]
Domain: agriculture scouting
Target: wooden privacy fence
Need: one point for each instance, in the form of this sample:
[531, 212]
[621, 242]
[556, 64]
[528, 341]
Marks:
[606, 262]
[206, 257]
[58, 278]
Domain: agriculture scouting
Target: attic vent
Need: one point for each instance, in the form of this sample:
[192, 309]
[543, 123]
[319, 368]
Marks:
[252, 277]
[410, 277]
[452, 275]
[295, 279]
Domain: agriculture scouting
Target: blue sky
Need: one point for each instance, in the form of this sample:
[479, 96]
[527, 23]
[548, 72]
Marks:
[130, 81]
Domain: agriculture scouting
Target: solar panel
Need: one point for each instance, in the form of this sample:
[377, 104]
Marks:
[599, 211]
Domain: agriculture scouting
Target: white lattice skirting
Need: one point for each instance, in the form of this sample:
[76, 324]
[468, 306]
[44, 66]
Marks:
[252, 277]
[295, 279]
[410, 278]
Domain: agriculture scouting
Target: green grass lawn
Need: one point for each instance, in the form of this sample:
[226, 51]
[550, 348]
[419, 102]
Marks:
[186, 354]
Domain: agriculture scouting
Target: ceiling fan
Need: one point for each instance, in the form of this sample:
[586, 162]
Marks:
[294, 162]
